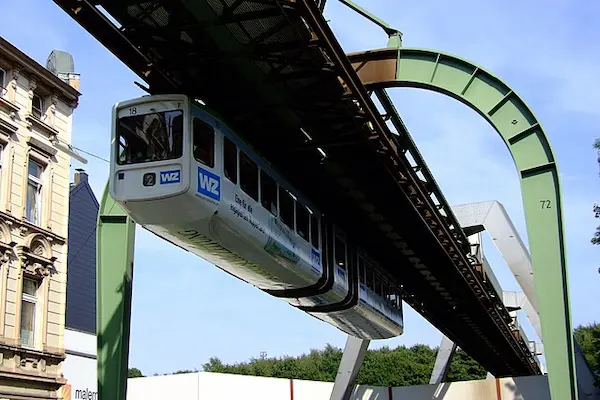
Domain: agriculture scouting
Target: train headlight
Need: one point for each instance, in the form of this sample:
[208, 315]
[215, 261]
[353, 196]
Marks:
[149, 179]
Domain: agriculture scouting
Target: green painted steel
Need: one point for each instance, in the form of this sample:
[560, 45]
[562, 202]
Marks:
[115, 237]
[394, 35]
[540, 188]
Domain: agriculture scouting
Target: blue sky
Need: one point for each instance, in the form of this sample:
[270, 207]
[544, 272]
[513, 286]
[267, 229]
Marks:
[548, 54]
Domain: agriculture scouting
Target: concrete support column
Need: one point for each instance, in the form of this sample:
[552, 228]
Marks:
[352, 359]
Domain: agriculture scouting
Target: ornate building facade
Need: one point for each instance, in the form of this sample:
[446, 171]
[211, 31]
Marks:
[36, 107]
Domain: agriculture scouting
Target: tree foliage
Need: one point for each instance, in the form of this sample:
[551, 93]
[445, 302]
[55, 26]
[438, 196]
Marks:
[401, 366]
[588, 338]
[134, 373]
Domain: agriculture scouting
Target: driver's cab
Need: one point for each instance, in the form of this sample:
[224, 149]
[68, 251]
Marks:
[149, 147]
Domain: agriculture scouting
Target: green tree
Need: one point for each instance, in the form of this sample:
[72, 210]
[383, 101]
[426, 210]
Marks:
[134, 373]
[213, 365]
[382, 367]
[588, 338]
[464, 368]
[184, 371]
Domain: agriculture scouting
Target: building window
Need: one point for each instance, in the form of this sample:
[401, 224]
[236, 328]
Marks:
[37, 105]
[28, 306]
[2, 82]
[34, 193]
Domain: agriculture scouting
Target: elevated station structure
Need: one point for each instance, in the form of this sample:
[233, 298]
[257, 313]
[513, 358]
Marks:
[275, 70]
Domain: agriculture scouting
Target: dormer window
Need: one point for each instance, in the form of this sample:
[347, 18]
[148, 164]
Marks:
[37, 104]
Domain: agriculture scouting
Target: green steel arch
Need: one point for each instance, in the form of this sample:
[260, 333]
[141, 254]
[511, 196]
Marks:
[530, 148]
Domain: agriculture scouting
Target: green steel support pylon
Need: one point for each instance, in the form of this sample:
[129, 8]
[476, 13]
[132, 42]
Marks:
[115, 237]
[534, 159]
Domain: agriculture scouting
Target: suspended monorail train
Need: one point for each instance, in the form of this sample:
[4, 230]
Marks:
[181, 173]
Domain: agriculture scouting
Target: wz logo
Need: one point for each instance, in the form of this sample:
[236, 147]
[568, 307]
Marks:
[170, 177]
[209, 184]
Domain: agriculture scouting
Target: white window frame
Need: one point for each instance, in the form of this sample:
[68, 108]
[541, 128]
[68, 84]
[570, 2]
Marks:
[40, 185]
[33, 300]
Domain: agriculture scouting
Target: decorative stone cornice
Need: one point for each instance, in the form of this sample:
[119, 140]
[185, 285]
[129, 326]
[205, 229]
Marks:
[53, 103]
[6, 243]
[6, 255]
[51, 354]
[25, 228]
[34, 70]
[32, 87]
[16, 72]
[9, 106]
[36, 265]
[6, 250]
[7, 129]
[35, 256]
[47, 130]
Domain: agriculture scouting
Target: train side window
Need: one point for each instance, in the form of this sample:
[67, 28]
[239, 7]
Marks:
[386, 292]
[369, 275]
[377, 284]
[204, 143]
[230, 159]
[286, 208]
[340, 252]
[314, 234]
[398, 298]
[268, 192]
[395, 296]
[302, 221]
[248, 176]
[361, 269]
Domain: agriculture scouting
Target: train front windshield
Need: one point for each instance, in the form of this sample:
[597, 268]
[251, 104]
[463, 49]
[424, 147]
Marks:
[149, 137]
